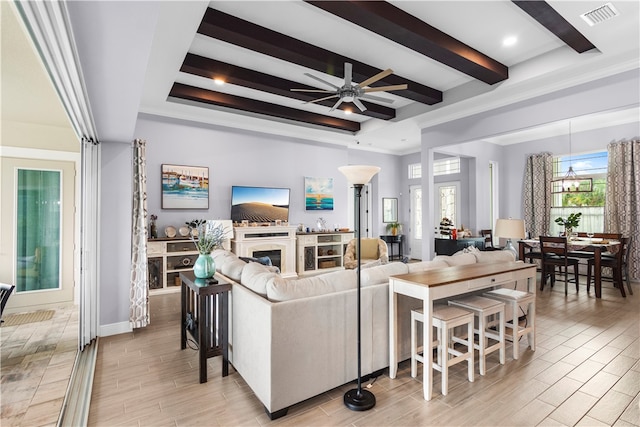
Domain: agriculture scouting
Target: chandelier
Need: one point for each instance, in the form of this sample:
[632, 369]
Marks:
[571, 183]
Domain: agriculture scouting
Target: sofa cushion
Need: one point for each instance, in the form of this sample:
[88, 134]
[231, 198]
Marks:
[460, 259]
[255, 277]
[280, 289]
[369, 248]
[494, 256]
[416, 267]
[381, 273]
[233, 269]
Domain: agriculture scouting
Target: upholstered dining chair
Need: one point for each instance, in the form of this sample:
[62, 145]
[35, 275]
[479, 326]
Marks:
[618, 263]
[554, 254]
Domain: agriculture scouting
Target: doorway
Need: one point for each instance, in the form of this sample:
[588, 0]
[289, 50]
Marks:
[447, 202]
[415, 226]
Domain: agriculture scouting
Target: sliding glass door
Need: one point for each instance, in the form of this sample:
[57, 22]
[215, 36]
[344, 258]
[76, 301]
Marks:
[37, 215]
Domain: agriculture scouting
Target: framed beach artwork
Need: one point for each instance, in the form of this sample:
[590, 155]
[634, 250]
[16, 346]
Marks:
[318, 194]
[185, 187]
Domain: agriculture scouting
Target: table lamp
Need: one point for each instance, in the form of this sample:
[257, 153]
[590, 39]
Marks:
[359, 175]
[510, 229]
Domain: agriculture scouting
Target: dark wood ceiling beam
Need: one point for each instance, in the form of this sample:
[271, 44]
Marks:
[242, 33]
[219, 99]
[211, 69]
[397, 25]
[549, 18]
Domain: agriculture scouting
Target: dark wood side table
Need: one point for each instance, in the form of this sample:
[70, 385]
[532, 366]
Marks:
[205, 315]
[391, 240]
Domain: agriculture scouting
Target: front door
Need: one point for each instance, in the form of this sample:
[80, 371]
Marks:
[415, 229]
[37, 249]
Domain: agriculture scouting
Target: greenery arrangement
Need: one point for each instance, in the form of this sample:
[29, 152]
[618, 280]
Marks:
[206, 238]
[572, 221]
[394, 227]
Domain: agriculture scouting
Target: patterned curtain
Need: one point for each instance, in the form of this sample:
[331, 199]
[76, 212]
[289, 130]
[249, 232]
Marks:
[139, 295]
[622, 203]
[536, 193]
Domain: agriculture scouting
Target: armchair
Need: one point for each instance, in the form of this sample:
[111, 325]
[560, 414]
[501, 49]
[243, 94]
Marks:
[373, 249]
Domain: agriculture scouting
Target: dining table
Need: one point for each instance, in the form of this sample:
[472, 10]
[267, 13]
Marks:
[584, 244]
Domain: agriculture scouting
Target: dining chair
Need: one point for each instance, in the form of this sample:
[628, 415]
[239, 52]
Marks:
[531, 254]
[555, 254]
[588, 254]
[616, 262]
[5, 293]
[488, 240]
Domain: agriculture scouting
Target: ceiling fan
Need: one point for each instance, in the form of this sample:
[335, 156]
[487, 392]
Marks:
[353, 92]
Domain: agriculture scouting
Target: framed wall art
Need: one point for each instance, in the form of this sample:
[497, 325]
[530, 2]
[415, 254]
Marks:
[185, 187]
[318, 194]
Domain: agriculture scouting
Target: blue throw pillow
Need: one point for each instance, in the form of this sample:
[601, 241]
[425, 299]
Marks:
[264, 260]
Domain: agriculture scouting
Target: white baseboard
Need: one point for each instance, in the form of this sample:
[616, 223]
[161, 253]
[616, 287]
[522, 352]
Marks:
[115, 329]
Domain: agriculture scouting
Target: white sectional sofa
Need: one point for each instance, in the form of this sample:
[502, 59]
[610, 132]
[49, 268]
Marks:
[292, 339]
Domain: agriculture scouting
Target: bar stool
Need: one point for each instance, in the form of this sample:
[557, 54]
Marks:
[445, 319]
[513, 299]
[483, 308]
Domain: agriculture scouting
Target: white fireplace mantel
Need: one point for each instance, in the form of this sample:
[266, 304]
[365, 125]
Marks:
[248, 240]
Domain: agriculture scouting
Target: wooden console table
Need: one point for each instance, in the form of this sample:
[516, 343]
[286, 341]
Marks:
[205, 315]
[432, 285]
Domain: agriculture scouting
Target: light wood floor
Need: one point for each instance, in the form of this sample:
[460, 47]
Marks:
[585, 371]
[37, 360]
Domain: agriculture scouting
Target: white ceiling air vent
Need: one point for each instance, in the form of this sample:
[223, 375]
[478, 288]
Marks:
[600, 14]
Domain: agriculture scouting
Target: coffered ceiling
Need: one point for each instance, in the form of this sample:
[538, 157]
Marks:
[450, 54]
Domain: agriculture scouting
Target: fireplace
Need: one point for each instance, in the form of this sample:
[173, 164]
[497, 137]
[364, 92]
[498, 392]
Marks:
[276, 242]
[275, 255]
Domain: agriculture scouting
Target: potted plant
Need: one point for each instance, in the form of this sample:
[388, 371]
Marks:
[571, 222]
[393, 227]
[206, 239]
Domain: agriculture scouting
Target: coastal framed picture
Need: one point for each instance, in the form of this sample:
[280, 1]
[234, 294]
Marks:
[318, 194]
[185, 187]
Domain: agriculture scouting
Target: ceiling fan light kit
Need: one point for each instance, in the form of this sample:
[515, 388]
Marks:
[353, 92]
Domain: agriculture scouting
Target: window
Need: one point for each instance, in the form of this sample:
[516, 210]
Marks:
[591, 165]
[415, 171]
[446, 166]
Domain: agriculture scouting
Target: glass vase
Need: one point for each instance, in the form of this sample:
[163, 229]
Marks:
[204, 267]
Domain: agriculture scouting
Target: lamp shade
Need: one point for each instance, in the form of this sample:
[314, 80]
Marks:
[359, 174]
[510, 228]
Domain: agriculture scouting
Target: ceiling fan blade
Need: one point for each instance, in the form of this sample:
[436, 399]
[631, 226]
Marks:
[322, 81]
[359, 104]
[376, 98]
[313, 90]
[348, 74]
[322, 99]
[373, 79]
[336, 105]
[385, 88]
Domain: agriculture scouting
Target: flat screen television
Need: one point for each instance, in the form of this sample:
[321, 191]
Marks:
[259, 204]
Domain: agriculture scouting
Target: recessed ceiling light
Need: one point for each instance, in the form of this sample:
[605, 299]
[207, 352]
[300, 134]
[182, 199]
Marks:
[218, 81]
[347, 112]
[509, 41]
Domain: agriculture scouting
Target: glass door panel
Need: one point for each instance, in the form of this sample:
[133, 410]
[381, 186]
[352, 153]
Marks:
[38, 214]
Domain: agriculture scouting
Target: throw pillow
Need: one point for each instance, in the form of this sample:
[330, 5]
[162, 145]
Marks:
[264, 260]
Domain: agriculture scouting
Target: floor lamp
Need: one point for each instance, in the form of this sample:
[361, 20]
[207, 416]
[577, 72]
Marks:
[359, 175]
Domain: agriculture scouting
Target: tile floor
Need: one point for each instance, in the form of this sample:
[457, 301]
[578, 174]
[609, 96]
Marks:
[584, 372]
[36, 363]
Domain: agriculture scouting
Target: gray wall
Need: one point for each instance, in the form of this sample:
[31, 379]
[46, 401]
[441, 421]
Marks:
[233, 158]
